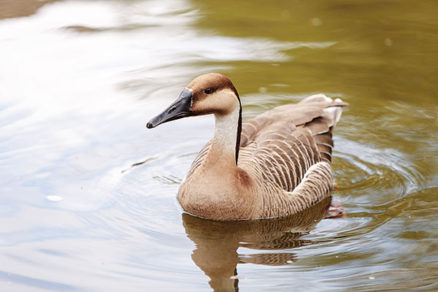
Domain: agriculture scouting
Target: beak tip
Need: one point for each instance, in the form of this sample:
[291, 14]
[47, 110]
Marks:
[177, 110]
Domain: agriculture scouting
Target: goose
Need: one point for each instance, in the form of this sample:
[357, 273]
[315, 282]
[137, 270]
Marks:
[274, 165]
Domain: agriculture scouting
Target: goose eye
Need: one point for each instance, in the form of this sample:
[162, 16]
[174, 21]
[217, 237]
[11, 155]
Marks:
[208, 90]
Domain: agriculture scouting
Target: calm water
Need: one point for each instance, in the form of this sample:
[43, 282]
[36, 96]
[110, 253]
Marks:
[88, 195]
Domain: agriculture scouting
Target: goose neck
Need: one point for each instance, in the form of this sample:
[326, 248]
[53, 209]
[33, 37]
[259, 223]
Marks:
[227, 133]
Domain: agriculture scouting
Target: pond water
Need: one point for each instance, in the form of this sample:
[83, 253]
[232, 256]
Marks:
[88, 195]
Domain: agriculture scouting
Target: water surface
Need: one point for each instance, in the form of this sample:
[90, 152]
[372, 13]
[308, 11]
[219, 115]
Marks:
[88, 195]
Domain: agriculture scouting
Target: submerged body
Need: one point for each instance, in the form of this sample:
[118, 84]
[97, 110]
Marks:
[274, 165]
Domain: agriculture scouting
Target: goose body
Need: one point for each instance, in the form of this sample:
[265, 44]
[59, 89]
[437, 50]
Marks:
[274, 165]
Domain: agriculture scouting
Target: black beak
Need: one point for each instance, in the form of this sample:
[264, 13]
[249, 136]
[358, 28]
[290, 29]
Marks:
[177, 110]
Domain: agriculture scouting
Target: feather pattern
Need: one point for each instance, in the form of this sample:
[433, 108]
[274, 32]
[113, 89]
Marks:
[287, 151]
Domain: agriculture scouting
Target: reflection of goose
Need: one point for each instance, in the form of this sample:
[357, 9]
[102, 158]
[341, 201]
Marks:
[274, 165]
[217, 242]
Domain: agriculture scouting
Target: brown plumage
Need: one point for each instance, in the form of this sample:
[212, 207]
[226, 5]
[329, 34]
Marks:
[283, 156]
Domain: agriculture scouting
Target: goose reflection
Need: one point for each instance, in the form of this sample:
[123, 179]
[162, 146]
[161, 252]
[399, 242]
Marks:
[217, 242]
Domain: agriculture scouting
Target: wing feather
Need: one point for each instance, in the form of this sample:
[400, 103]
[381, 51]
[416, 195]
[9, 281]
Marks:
[280, 145]
[285, 142]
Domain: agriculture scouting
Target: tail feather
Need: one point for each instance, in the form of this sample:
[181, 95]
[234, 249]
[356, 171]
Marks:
[322, 126]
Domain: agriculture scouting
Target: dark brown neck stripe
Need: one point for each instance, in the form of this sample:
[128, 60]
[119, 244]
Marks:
[239, 128]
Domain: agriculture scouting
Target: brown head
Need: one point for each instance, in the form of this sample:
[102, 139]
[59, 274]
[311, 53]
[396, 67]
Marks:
[211, 93]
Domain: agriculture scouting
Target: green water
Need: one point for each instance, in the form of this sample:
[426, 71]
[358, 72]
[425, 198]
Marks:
[88, 195]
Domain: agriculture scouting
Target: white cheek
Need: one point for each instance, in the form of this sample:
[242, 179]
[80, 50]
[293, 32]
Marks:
[225, 101]
[220, 102]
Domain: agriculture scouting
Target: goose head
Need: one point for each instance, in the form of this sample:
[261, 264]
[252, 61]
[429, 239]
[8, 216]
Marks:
[211, 93]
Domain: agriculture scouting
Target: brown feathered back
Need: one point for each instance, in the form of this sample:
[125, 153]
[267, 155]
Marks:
[281, 144]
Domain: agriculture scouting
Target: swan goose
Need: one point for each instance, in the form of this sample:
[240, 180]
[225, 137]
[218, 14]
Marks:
[274, 165]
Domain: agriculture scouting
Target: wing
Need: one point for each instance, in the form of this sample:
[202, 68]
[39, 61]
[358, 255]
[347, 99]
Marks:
[281, 157]
[282, 144]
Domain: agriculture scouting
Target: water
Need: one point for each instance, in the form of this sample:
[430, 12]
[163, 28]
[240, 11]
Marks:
[88, 194]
